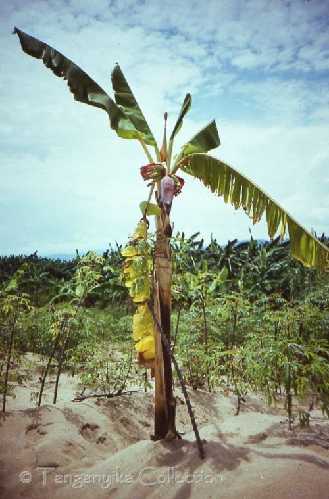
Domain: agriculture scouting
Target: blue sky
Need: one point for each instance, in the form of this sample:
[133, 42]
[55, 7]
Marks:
[260, 68]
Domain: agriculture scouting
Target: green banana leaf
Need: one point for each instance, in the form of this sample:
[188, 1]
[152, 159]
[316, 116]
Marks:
[125, 99]
[81, 85]
[235, 188]
[203, 141]
[151, 208]
[184, 110]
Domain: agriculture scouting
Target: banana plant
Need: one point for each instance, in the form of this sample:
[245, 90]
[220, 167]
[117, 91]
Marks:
[127, 120]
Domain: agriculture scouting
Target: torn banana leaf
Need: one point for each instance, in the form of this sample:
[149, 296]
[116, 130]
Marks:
[125, 99]
[84, 88]
[241, 192]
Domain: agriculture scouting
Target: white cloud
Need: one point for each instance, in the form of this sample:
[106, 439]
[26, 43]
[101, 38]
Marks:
[286, 101]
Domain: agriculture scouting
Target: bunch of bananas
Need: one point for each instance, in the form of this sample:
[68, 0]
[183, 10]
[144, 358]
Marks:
[136, 270]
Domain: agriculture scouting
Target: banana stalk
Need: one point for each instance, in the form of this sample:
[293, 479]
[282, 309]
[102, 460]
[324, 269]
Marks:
[164, 422]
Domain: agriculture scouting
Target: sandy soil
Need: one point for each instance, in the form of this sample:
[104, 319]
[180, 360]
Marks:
[101, 448]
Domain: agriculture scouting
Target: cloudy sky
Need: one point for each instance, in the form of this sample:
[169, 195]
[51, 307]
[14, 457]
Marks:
[259, 67]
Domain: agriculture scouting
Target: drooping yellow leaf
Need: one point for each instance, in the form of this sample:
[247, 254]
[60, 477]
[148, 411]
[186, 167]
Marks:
[140, 290]
[149, 354]
[129, 251]
[138, 248]
[143, 324]
[146, 346]
[140, 231]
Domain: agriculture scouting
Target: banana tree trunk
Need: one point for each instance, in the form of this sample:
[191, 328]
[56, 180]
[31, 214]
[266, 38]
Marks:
[164, 411]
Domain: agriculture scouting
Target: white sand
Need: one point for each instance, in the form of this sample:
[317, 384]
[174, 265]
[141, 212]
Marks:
[101, 449]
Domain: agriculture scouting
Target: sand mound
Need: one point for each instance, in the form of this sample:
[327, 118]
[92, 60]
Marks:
[101, 448]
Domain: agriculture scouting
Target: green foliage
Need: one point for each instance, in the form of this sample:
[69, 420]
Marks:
[267, 321]
[247, 318]
[184, 110]
[285, 350]
[200, 367]
[149, 209]
[205, 140]
[111, 371]
[125, 117]
[126, 101]
[12, 309]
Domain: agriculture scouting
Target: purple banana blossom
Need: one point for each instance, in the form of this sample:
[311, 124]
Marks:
[167, 192]
[153, 171]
